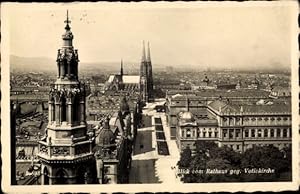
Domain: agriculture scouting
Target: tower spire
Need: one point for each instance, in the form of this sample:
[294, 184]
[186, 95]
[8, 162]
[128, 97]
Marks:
[187, 104]
[121, 73]
[144, 52]
[67, 21]
[148, 53]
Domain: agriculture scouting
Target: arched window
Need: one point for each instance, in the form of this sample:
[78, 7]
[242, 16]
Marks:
[63, 109]
[259, 133]
[75, 108]
[265, 132]
[284, 132]
[225, 133]
[278, 132]
[231, 133]
[246, 133]
[188, 133]
[46, 176]
[237, 133]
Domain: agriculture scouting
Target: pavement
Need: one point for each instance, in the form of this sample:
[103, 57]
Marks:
[147, 166]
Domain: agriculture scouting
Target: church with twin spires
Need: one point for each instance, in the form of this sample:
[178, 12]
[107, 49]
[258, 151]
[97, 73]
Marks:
[142, 83]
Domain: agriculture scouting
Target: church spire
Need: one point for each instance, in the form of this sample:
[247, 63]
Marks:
[121, 72]
[144, 52]
[148, 53]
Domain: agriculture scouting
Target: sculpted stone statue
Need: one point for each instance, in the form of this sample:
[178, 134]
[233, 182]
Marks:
[69, 96]
[57, 96]
[51, 94]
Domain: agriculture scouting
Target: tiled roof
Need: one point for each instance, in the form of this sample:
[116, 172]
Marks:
[217, 104]
[275, 108]
[246, 107]
[238, 107]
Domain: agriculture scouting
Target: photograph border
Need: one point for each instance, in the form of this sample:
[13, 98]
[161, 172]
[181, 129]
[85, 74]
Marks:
[160, 187]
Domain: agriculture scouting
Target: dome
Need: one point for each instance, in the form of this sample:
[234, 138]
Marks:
[106, 136]
[187, 116]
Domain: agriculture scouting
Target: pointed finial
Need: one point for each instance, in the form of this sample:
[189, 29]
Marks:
[187, 104]
[144, 52]
[148, 53]
[106, 123]
[67, 21]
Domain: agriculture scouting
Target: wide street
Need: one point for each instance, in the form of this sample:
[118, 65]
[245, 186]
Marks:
[147, 165]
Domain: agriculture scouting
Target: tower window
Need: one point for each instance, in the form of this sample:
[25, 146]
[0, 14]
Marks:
[284, 132]
[237, 134]
[225, 133]
[259, 133]
[265, 132]
[63, 109]
[278, 132]
[230, 133]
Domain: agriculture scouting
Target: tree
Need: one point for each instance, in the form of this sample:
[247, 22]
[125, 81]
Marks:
[208, 155]
[221, 164]
[185, 158]
[267, 157]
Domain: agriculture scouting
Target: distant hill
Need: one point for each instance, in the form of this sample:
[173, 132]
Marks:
[44, 64]
[49, 64]
[32, 63]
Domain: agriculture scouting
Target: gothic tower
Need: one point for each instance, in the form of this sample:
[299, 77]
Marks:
[144, 76]
[65, 151]
[149, 75]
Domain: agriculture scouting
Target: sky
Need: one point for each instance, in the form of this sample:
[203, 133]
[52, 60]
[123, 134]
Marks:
[227, 35]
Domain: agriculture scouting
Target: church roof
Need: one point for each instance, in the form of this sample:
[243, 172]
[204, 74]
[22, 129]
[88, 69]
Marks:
[111, 78]
[128, 79]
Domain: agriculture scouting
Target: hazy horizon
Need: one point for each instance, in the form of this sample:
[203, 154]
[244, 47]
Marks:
[240, 37]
